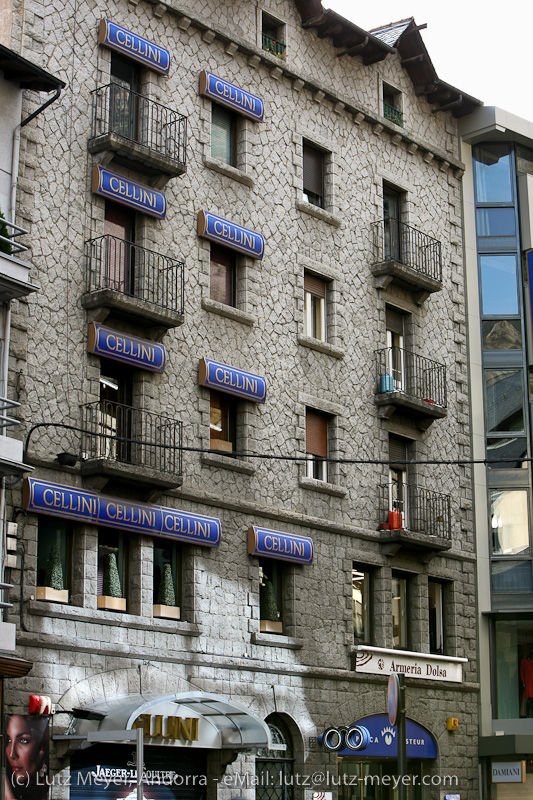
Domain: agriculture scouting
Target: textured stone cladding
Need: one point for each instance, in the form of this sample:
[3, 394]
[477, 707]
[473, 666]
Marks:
[83, 655]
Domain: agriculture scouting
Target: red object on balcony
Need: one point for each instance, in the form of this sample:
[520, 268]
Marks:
[395, 520]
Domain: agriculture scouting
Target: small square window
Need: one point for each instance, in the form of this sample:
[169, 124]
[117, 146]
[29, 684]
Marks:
[315, 307]
[313, 175]
[273, 35]
[223, 422]
[224, 134]
[316, 444]
[222, 283]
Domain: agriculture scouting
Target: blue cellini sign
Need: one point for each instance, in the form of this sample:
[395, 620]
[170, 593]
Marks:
[231, 235]
[129, 193]
[282, 546]
[131, 350]
[56, 500]
[227, 94]
[231, 380]
[383, 739]
[135, 47]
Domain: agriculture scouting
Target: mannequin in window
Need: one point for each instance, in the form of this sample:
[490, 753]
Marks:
[526, 676]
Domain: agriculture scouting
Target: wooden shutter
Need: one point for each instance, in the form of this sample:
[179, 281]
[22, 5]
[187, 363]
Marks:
[313, 170]
[314, 285]
[397, 449]
[316, 433]
[394, 320]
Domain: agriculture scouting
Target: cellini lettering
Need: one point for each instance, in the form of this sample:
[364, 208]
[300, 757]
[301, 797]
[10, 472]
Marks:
[55, 500]
[135, 47]
[156, 726]
[282, 546]
[231, 235]
[231, 380]
[232, 96]
[129, 193]
[132, 350]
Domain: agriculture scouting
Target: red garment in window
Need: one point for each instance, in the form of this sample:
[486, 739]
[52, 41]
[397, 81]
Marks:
[526, 675]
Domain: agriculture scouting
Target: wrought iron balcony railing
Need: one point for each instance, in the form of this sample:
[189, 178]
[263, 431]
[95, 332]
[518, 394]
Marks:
[119, 110]
[9, 233]
[396, 241]
[116, 432]
[113, 263]
[403, 506]
[399, 370]
[393, 114]
[274, 46]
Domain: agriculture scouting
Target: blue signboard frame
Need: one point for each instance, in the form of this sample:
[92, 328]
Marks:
[421, 744]
[117, 38]
[218, 229]
[231, 380]
[129, 193]
[227, 94]
[281, 546]
[57, 500]
[133, 350]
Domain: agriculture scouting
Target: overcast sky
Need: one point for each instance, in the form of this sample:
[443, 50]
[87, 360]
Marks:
[485, 49]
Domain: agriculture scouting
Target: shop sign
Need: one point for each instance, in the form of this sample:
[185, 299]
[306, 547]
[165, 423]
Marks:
[508, 771]
[383, 739]
[56, 500]
[231, 380]
[381, 661]
[131, 350]
[159, 726]
[282, 546]
[129, 193]
[135, 47]
[227, 94]
[231, 235]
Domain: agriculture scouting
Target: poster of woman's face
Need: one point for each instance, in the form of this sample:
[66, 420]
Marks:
[27, 748]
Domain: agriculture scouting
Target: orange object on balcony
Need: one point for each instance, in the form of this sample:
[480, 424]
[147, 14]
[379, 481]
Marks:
[395, 520]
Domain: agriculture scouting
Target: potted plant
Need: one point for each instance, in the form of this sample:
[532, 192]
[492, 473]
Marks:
[111, 599]
[54, 589]
[166, 596]
[270, 617]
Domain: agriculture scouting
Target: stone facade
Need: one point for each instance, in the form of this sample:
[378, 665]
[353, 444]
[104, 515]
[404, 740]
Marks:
[83, 655]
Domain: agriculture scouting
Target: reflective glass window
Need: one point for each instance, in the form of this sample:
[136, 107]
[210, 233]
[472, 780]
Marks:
[361, 603]
[514, 668]
[495, 222]
[493, 173]
[508, 520]
[499, 285]
[507, 452]
[509, 577]
[502, 334]
[504, 398]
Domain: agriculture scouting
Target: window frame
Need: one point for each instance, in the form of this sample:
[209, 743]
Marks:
[367, 602]
[122, 552]
[62, 536]
[176, 565]
[317, 467]
[229, 407]
[230, 268]
[275, 572]
[315, 307]
[440, 625]
[233, 121]
[403, 597]
[313, 174]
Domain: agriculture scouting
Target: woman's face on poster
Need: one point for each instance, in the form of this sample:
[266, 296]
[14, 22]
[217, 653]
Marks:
[23, 748]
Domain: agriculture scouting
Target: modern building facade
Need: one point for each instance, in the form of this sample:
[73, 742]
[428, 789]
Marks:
[497, 149]
[249, 341]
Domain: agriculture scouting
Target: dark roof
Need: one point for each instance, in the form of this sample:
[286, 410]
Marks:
[27, 75]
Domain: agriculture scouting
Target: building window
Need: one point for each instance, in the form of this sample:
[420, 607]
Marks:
[223, 422]
[398, 486]
[222, 280]
[400, 633]
[504, 401]
[395, 348]
[116, 412]
[316, 444]
[271, 595]
[119, 261]
[167, 579]
[313, 183]
[499, 284]
[274, 768]
[53, 560]
[362, 613]
[223, 134]
[112, 577]
[392, 104]
[124, 98]
[273, 35]
[315, 307]
[436, 617]
[513, 657]
[392, 211]
[511, 562]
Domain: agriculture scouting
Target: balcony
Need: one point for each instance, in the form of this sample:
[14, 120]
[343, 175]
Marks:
[11, 450]
[406, 257]
[413, 518]
[409, 383]
[14, 274]
[273, 46]
[125, 444]
[134, 282]
[138, 132]
[392, 114]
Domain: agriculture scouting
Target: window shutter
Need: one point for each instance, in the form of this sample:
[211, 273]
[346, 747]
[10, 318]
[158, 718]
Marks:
[397, 449]
[222, 128]
[313, 170]
[394, 320]
[316, 433]
[314, 285]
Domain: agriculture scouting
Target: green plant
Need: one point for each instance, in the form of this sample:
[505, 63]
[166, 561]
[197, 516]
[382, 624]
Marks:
[54, 570]
[166, 594]
[111, 583]
[5, 247]
[269, 606]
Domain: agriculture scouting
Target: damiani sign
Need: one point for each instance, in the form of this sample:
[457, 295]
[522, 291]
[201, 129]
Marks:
[381, 661]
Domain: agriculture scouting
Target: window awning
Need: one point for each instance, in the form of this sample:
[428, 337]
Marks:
[222, 723]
